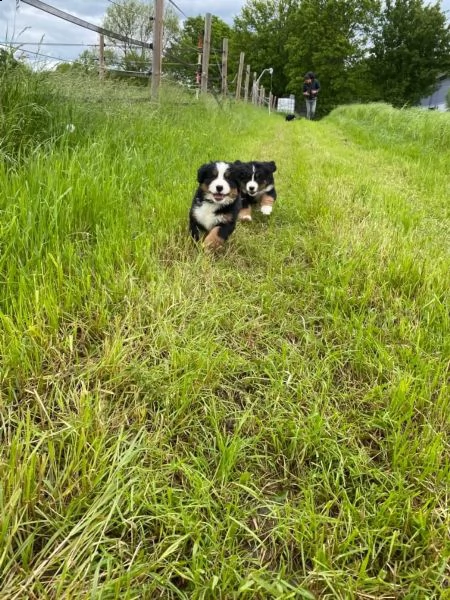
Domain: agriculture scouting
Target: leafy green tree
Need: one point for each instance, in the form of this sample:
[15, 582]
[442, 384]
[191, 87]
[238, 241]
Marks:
[411, 48]
[261, 31]
[88, 61]
[331, 37]
[133, 19]
[181, 57]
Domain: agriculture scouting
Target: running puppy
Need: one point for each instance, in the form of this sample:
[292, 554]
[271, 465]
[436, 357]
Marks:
[216, 204]
[257, 186]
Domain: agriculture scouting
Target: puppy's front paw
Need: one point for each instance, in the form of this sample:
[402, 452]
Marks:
[245, 214]
[213, 241]
[266, 210]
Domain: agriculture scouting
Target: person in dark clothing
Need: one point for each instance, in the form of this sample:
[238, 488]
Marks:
[311, 87]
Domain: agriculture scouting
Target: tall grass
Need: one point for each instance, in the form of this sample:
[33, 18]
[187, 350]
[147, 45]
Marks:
[31, 112]
[268, 423]
[421, 129]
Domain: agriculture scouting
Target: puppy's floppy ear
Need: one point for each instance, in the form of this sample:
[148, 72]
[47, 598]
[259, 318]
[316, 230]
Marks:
[202, 172]
[236, 169]
[272, 166]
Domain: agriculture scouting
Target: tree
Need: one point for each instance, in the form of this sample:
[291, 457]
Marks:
[88, 61]
[261, 30]
[134, 19]
[181, 57]
[331, 38]
[411, 48]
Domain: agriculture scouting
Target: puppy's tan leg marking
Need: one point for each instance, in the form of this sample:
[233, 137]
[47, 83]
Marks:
[266, 204]
[213, 241]
[245, 214]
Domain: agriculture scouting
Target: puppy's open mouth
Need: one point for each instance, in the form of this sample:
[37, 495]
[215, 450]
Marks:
[218, 197]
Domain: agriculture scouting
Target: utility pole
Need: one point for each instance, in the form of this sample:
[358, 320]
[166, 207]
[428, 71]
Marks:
[206, 51]
[157, 48]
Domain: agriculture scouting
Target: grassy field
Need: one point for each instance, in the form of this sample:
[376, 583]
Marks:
[269, 423]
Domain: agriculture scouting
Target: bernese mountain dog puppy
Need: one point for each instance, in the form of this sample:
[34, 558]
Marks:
[216, 204]
[257, 186]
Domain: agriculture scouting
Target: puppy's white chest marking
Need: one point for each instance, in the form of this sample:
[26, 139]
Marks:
[206, 216]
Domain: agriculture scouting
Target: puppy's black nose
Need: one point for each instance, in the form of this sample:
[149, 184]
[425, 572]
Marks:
[219, 188]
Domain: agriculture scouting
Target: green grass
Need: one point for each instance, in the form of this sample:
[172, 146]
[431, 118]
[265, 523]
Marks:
[31, 112]
[268, 423]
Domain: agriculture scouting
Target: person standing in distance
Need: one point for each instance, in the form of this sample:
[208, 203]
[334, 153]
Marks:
[311, 87]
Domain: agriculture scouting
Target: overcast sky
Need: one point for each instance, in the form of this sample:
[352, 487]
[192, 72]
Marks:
[28, 24]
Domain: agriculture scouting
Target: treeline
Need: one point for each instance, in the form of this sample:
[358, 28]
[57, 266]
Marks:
[392, 51]
[361, 50]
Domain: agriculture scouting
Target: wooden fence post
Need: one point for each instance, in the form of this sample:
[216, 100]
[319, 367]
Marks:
[101, 57]
[239, 78]
[157, 48]
[206, 52]
[224, 67]
[198, 73]
[254, 89]
[247, 83]
[262, 92]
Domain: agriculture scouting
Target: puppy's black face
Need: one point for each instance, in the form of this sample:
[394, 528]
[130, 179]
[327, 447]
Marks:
[256, 176]
[219, 182]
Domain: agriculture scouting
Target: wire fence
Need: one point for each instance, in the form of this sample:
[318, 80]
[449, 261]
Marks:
[183, 61]
[85, 24]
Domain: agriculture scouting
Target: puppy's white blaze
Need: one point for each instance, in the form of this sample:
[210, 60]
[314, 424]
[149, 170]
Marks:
[251, 185]
[266, 210]
[220, 180]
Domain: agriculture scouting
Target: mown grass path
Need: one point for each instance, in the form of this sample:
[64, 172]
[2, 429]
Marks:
[268, 423]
